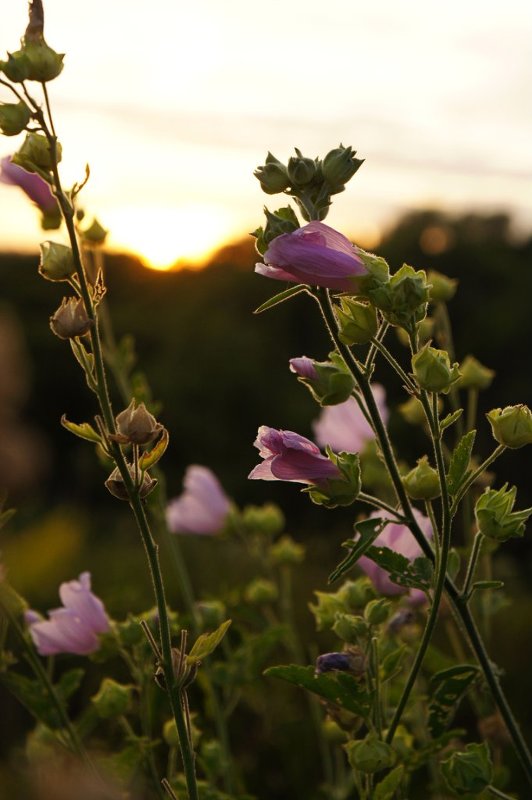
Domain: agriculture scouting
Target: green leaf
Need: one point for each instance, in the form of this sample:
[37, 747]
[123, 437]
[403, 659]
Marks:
[339, 688]
[448, 687]
[392, 662]
[83, 430]
[450, 419]
[458, 468]
[367, 531]
[149, 459]
[488, 585]
[386, 789]
[281, 297]
[207, 643]
[69, 682]
[410, 574]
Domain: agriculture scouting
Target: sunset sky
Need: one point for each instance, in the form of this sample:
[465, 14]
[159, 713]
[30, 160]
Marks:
[174, 104]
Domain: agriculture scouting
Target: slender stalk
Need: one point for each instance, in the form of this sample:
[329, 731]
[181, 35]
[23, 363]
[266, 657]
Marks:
[376, 684]
[383, 350]
[497, 793]
[372, 352]
[472, 403]
[461, 608]
[473, 560]
[376, 502]
[474, 475]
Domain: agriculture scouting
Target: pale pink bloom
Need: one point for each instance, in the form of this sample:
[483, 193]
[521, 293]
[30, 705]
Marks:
[290, 457]
[202, 508]
[75, 627]
[396, 537]
[316, 255]
[344, 428]
[32, 184]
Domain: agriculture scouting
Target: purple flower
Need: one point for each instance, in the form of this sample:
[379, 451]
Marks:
[202, 508]
[316, 255]
[32, 184]
[74, 628]
[329, 662]
[399, 538]
[303, 367]
[344, 428]
[290, 457]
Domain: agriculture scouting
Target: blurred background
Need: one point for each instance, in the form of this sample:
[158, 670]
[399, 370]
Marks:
[173, 109]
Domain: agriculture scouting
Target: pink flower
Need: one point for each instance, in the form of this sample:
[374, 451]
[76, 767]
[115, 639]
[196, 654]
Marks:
[32, 184]
[290, 457]
[303, 367]
[399, 538]
[203, 506]
[74, 628]
[344, 428]
[316, 255]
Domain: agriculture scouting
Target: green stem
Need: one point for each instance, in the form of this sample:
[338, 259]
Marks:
[372, 352]
[392, 361]
[472, 403]
[497, 793]
[471, 567]
[457, 602]
[376, 684]
[376, 502]
[474, 475]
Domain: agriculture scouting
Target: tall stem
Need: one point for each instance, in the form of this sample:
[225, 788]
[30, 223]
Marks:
[461, 607]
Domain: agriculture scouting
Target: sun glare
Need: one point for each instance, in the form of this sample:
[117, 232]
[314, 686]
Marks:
[162, 237]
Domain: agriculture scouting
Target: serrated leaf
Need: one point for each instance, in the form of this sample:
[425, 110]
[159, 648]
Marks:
[386, 789]
[458, 467]
[339, 688]
[83, 430]
[367, 531]
[410, 574]
[151, 457]
[450, 419]
[282, 297]
[207, 643]
[448, 687]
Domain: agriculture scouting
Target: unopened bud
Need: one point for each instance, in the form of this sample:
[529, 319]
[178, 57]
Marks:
[301, 170]
[495, 516]
[267, 519]
[113, 699]
[370, 755]
[422, 482]
[350, 628]
[329, 382]
[511, 426]
[442, 288]
[283, 220]
[273, 176]
[469, 772]
[357, 321]
[43, 63]
[211, 613]
[14, 118]
[137, 425]
[339, 166]
[57, 262]
[70, 319]
[35, 154]
[402, 300]
[286, 551]
[433, 370]
[377, 611]
[474, 375]
[95, 234]
[115, 484]
[261, 592]
[16, 68]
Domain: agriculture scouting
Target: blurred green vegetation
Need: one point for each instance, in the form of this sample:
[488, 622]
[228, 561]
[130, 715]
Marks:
[219, 372]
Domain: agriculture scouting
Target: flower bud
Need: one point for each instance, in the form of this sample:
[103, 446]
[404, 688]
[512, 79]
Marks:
[495, 517]
[433, 370]
[370, 754]
[35, 154]
[357, 321]
[339, 166]
[403, 299]
[326, 609]
[377, 611]
[115, 483]
[413, 411]
[350, 628]
[442, 288]
[350, 660]
[113, 699]
[43, 63]
[70, 319]
[273, 176]
[474, 375]
[355, 594]
[469, 772]
[95, 234]
[213, 758]
[301, 170]
[14, 118]
[286, 551]
[511, 426]
[57, 262]
[342, 491]
[261, 592]
[329, 382]
[137, 425]
[267, 519]
[16, 68]
[281, 221]
[422, 482]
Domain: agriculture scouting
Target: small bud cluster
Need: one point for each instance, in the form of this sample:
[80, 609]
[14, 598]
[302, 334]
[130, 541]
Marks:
[310, 181]
[495, 517]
